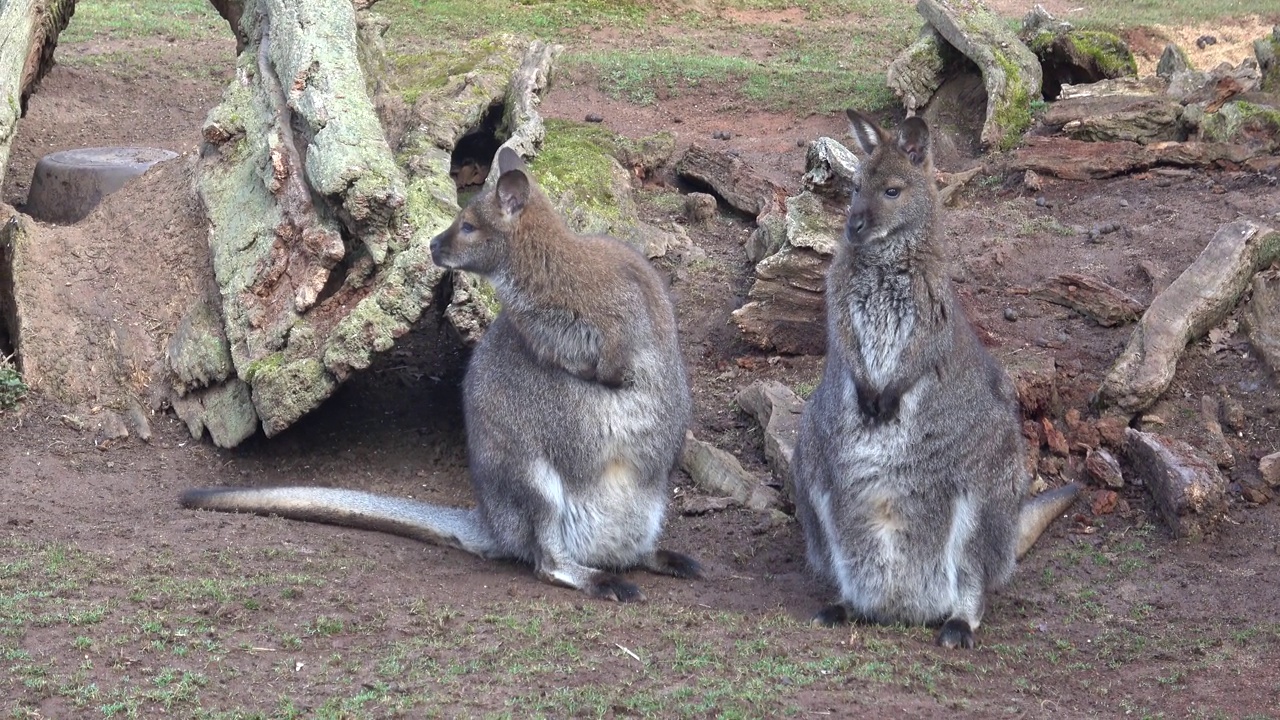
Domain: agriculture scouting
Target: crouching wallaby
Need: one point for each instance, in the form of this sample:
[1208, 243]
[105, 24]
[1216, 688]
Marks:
[576, 403]
[910, 466]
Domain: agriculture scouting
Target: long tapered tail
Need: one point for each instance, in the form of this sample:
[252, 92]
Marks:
[455, 527]
[1041, 510]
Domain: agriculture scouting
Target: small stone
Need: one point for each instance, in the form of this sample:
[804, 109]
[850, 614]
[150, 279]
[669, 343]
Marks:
[1010, 314]
[1104, 502]
[1232, 414]
[595, 118]
[1054, 438]
[1257, 496]
[113, 427]
[699, 207]
[1032, 181]
[677, 120]
[1111, 428]
[1124, 203]
[1041, 202]
[800, 142]
[1269, 467]
[722, 135]
[1103, 467]
[1206, 40]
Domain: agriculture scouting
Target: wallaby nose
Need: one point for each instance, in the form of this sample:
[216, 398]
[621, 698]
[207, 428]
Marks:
[858, 215]
[435, 249]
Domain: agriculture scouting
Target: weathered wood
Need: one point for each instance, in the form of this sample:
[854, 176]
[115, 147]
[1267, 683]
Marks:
[1078, 160]
[719, 473]
[1090, 297]
[28, 35]
[735, 181]
[1134, 118]
[1189, 492]
[1195, 302]
[1262, 317]
[324, 259]
[778, 411]
[1010, 71]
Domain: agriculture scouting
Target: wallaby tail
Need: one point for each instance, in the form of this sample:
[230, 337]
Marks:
[1041, 510]
[454, 527]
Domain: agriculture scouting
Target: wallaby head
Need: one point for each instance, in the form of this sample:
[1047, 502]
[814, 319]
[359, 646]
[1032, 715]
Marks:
[894, 192]
[480, 237]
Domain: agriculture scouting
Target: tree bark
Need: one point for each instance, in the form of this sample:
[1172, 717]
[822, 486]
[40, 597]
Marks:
[320, 219]
[30, 34]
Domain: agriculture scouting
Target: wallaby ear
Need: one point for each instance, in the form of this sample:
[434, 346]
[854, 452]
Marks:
[513, 189]
[865, 131]
[509, 160]
[913, 140]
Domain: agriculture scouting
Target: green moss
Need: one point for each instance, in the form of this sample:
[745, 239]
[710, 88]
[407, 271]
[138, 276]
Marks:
[434, 70]
[485, 293]
[579, 159]
[262, 365]
[1014, 115]
[1240, 121]
[1106, 50]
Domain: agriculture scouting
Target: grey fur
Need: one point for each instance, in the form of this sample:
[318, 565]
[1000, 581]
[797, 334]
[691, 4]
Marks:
[910, 466]
[576, 403]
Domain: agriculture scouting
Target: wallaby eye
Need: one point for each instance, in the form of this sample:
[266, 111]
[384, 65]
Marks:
[467, 227]
[891, 192]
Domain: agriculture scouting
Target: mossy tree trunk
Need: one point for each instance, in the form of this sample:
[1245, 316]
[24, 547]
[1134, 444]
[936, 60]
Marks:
[320, 218]
[28, 34]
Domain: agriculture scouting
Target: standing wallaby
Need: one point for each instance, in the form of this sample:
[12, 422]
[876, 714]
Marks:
[910, 466]
[575, 400]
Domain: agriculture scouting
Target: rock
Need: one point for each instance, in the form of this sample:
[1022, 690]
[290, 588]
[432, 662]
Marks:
[830, 169]
[1092, 298]
[594, 118]
[703, 505]
[778, 411]
[1172, 60]
[1070, 56]
[1189, 492]
[1010, 72]
[699, 207]
[1252, 122]
[1035, 378]
[138, 420]
[1082, 432]
[1269, 468]
[784, 309]
[1213, 441]
[1267, 50]
[1195, 302]
[719, 473]
[225, 410]
[1140, 119]
[111, 427]
[1104, 502]
[1103, 467]
[198, 353]
[1232, 412]
[1111, 429]
[1054, 438]
[1262, 318]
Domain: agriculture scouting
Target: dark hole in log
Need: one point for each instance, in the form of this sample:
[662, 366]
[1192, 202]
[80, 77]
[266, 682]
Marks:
[8, 308]
[469, 165]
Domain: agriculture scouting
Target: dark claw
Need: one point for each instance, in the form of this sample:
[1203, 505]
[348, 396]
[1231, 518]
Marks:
[607, 586]
[832, 616]
[669, 562]
[956, 633]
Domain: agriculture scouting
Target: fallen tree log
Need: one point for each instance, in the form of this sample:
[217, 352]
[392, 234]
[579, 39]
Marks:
[1196, 301]
[30, 33]
[1081, 160]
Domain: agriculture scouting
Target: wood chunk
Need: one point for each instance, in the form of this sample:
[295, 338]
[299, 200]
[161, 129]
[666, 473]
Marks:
[778, 411]
[720, 474]
[732, 179]
[1189, 492]
[1096, 300]
[1103, 467]
[1195, 302]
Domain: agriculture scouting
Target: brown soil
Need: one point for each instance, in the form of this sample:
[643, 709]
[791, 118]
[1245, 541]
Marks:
[1108, 616]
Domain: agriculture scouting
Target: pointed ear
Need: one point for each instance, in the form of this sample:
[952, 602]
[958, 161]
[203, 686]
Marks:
[865, 131]
[509, 160]
[513, 190]
[913, 140]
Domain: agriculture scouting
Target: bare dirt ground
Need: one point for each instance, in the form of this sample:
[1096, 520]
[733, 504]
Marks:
[114, 602]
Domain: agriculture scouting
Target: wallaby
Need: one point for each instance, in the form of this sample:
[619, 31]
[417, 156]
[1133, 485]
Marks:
[910, 466]
[575, 403]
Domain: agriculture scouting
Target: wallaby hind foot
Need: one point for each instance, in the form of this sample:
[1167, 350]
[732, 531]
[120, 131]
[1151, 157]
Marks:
[955, 633]
[670, 562]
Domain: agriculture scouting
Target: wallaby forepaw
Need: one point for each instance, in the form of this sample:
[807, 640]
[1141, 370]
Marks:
[669, 562]
[832, 616]
[956, 633]
[879, 407]
[607, 586]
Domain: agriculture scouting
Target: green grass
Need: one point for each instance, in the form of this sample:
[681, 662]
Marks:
[123, 19]
[1135, 13]
[12, 387]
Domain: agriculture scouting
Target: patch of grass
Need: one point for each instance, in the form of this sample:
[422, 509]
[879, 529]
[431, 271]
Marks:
[12, 388]
[1137, 13]
[121, 19]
